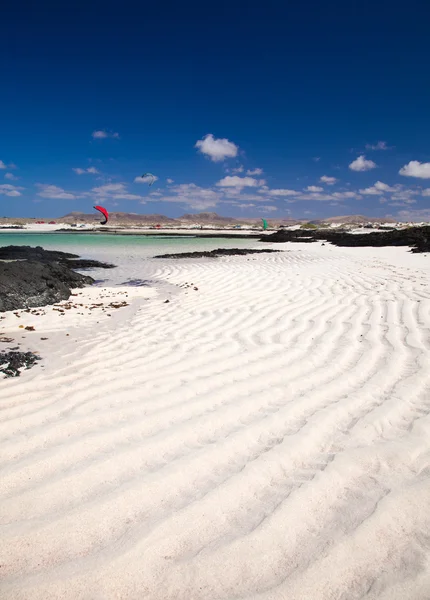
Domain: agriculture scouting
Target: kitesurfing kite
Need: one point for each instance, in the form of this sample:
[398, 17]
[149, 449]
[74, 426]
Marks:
[104, 213]
[150, 178]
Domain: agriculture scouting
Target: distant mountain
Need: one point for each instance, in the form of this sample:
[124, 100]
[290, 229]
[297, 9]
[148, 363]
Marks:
[116, 218]
[207, 217]
[203, 219]
[353, 220]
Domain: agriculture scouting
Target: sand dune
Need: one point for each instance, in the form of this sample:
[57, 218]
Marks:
[264, 436]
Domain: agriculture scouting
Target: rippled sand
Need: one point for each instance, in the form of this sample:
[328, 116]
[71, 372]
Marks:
[263, 436]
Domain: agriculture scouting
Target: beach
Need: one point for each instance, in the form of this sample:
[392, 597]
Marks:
[246, 427]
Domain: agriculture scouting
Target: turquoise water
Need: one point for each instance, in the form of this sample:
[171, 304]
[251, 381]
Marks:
[133, 254]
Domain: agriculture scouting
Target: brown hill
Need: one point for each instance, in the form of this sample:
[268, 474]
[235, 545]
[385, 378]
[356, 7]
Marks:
[353, 220]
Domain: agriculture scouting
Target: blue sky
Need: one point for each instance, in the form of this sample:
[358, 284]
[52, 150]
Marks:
[300, 109]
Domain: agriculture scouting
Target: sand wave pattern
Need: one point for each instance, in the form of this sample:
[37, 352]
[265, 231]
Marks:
[263, 436]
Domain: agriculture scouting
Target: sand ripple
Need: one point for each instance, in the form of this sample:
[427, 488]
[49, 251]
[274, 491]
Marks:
[265, 436]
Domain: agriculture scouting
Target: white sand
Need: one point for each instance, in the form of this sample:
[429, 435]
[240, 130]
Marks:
[265, 436]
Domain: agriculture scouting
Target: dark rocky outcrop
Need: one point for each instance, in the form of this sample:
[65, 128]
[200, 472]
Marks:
[418, 238]
[48, 256]
[28, 283]
[31, 277]
[216, 253]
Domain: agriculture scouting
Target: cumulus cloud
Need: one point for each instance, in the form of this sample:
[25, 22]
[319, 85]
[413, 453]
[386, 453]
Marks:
[239, 169]
[216, 149]
[416, 215]
[193, 196]
[426, 192]
[416, 169]
[362, 164]
[102, 134]
[378, 189]
[114, 191]
[314, 188]
[268, 207]
[240, 182]
[256, 171]
[90, 170]
[282, 192]
[54, 192]
[10, 176]
[2, 165]
[377, 146]
[109, 188]
[314, 196]
[7, 189]
[328, 180]
[344, 195]
[405, 194]
[170, 180]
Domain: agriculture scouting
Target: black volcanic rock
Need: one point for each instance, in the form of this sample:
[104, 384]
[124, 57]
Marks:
[48, 256]
[84, 263]
[33, 253]
[29, 283]
[216, 253]
[31, 277]
[416, 237]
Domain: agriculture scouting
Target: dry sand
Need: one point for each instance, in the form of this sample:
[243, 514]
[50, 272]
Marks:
[264, 436]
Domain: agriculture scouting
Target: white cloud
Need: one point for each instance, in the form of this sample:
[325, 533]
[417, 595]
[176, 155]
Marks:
[193, 196]
[416, 169]
[318, 197]
[404, 203]
[282, 192]
[91, 170]
[371, 191]
[170, 181]
[10, 190]
[109, 188]
[268, 207]
[378, 146]
[316, 158]
[361, 164]
[417, 215]
[10, 176]
[328, 180]
[146, 179]
[102, 134]
[344, 195]
[126, 196]
[314, 188]
[217, 149]
[256, 171]
[378, 189]
[239, 169]
[383, 187]
[114, 191]
[426, 192]
[405, 194]
[53, 191]
[2, 165]
[240, 182]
